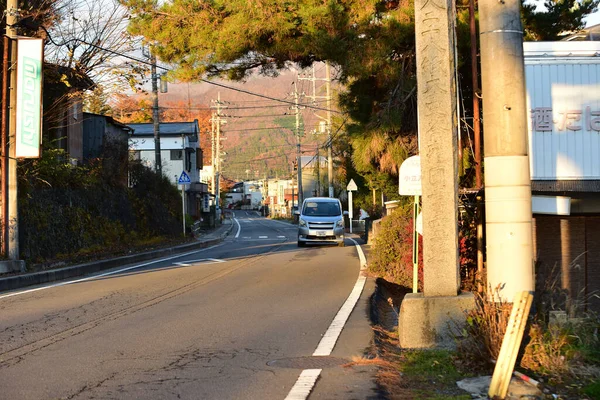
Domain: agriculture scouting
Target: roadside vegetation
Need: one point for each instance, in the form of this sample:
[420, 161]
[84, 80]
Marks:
[111, 206]
[563, 354]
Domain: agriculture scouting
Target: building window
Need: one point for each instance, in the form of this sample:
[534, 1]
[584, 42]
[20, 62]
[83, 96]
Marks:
[176, 154]
[75, 109]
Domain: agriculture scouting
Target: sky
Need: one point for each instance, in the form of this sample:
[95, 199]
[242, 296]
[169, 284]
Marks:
[593, 19]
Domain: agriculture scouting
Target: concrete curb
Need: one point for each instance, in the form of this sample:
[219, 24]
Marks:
[36, 278]
[12, 266]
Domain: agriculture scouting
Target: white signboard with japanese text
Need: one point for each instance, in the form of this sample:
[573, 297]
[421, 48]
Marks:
[563, 109]
[410, 177]
[29, 97]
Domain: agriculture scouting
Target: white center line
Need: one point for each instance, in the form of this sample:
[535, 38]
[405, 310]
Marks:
[307, 379]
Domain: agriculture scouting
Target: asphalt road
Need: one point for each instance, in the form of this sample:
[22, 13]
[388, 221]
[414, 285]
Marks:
[240, 320]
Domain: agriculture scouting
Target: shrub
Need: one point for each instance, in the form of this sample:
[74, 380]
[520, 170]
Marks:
[391, 257]
[68, 210]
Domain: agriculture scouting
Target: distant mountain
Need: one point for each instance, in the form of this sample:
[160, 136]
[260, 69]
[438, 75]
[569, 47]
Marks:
[259, 136]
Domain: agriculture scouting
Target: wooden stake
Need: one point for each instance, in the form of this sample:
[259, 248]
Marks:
[510, 345]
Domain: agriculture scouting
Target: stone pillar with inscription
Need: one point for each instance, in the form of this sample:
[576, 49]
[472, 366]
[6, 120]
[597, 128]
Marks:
[424, 317]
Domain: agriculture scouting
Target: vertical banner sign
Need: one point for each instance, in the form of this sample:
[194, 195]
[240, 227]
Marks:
[29, 97]
[206, 203]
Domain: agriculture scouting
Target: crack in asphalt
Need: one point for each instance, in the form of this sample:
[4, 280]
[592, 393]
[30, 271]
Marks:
[169, 376]
[16, 355]
[91, 387]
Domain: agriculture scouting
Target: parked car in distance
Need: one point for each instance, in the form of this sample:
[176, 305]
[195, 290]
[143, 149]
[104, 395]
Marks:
[321, 220]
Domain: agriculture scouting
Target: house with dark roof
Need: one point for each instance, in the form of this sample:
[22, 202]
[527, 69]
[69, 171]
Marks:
[180, 152]
[106, 139]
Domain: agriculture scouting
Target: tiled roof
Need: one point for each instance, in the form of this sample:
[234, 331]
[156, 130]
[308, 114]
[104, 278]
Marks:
[166, 128]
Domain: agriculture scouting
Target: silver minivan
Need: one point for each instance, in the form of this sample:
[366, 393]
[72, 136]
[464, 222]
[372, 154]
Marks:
[321, 220]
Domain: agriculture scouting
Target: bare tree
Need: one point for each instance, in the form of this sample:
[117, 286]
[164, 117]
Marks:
[91, 37]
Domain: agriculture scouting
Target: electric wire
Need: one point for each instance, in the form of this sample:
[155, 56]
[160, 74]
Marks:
[136, 59]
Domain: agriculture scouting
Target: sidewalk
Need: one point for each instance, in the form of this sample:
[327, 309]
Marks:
[36, 278]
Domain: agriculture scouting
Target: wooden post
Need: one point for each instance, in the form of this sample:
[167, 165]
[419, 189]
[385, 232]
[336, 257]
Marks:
[510, 345]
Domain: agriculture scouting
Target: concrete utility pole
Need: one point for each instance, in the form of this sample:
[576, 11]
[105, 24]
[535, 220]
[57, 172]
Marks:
[212, 150]
[507, 178]
[155, 115]
[424, 317]
[217, 119]
[298, 150]
[327, 97]
[329, 138]
[318, 170]
[13, 211]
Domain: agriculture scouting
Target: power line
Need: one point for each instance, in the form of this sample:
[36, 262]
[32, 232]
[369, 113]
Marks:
[199, 79]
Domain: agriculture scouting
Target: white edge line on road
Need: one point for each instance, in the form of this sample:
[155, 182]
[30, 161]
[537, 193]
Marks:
[239, 228]
[108, 273]
[200, 261]
[306, 381]
[308, 378]
[361, 255]
[330, 337]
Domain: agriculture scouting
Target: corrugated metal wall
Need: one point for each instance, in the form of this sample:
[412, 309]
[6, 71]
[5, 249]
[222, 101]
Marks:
[563, 101]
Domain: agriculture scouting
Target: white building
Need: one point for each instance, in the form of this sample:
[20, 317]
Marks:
[180, 152]
[250, 193]
[563, 102]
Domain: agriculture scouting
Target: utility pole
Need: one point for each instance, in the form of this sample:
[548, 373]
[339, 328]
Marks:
[3, 147]
[212, 150]
[329, 138]
[155, 114]
[217, 119]
[298, 150]
[318, 158]
[12, 220]
[507, 177]
[327, 119]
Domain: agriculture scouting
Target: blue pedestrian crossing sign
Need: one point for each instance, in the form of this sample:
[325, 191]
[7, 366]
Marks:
[184, 179]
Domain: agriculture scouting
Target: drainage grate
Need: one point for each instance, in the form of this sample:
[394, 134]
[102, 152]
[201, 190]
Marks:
[308, 362]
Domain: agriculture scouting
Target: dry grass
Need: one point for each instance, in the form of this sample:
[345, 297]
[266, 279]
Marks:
[411, 375]
[564, 356]
[481, 338]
